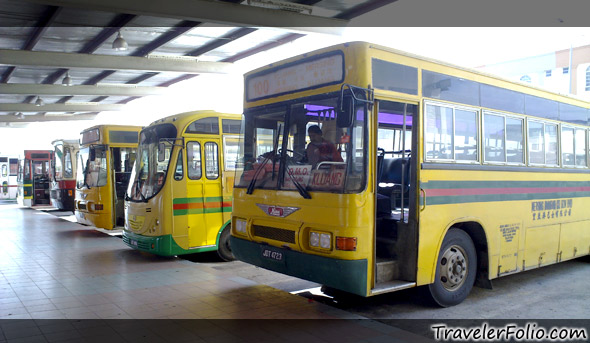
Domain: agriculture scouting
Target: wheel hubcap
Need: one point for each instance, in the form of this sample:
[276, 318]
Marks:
[453, 268]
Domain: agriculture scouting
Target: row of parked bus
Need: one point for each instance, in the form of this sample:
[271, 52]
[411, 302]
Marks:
[426, 174]
[117, 177]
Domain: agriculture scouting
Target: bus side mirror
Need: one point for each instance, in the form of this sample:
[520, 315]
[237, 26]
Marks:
[161, 152]
[345, 112]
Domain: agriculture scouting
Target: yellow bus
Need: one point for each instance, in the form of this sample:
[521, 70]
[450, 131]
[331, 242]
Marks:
[448, 175]
[106, 156]
[180, 195]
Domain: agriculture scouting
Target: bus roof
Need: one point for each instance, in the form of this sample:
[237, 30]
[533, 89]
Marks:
[368, 46]
[114, 127]
[181, 120]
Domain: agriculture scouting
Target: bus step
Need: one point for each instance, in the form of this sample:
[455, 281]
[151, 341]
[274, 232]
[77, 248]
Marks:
[387, 270]
[386, 247]
[391, 286]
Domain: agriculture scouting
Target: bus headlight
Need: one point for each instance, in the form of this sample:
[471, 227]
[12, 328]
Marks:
[241, 226]
[96, 207]
[314, 239]
[325, 241]
[320, 240]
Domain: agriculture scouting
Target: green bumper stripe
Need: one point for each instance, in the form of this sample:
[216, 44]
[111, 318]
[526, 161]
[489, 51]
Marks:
[346, 275]
[163, 245]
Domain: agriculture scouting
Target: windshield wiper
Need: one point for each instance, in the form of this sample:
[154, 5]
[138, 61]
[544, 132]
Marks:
[137, 189]
[304, 193]
[86, 176]
[269, 155]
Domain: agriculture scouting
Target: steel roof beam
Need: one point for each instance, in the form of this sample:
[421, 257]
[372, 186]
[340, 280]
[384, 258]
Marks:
[110, 90]
[210, 11]
[83, 107]
[40, 117]
[40, 27]
[86, 61]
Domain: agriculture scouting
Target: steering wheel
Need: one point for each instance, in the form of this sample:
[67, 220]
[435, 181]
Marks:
[295, 153]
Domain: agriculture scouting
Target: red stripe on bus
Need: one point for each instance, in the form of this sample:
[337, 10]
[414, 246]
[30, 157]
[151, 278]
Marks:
[193, 205]
[481, 191]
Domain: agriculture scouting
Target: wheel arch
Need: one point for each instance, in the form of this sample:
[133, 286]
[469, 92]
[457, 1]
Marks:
[475, 229]
[226, 224]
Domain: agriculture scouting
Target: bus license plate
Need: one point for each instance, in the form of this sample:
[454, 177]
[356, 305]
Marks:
[272, 254]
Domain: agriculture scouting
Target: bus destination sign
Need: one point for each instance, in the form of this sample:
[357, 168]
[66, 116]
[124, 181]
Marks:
[296, 77]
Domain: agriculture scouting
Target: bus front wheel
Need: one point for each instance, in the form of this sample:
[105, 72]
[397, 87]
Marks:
[455, 269]
[224, 249]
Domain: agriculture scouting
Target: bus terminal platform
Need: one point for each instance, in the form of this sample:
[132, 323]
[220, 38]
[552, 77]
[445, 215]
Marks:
[64, 282]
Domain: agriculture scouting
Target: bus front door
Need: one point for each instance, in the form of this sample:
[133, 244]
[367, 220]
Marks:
[204, 201]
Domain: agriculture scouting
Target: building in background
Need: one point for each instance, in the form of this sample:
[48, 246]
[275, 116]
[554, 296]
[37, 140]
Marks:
[564, 71]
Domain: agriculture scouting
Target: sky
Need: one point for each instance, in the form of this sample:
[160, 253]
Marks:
[463, 46]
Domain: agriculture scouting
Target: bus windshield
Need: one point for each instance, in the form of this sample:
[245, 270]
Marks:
[151, 167]
[299, 146]
[92, 167]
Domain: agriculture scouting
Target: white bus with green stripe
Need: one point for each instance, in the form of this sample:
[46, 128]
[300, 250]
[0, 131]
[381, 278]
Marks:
[179, 199]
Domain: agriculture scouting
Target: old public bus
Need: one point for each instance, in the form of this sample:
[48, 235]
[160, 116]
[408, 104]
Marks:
[63, 173]
[446, 175]
[33, 178]
[180, 195]
[106, 156]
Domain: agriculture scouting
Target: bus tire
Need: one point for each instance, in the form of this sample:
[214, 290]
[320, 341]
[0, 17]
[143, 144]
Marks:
[224, 248]
[456, 269]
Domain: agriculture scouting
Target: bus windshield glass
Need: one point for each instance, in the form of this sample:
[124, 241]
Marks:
[301, 146]
[92, 167]
[151, 167]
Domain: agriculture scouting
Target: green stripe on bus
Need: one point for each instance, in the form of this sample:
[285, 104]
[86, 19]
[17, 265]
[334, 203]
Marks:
[192, 200]
[201, 211]
[462, 199]
[501, 184]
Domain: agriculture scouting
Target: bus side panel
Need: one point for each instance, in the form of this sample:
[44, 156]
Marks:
[541, 245]
[526, 224]
[574, 240]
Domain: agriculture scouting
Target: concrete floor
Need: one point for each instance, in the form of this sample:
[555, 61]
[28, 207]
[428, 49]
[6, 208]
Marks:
[52, 268]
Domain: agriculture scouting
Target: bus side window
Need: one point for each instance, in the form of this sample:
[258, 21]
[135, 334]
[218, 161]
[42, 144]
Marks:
[179, 172]
[193, 160]
[211, 161]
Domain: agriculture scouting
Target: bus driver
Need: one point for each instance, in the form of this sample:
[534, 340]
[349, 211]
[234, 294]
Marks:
[319, 149]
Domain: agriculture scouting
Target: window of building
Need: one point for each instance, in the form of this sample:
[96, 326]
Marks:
[525, 78]
[566, 70]
[547, 73]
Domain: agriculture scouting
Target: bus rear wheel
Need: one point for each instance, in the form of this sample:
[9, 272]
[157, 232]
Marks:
[224, 248]
[455, 269]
